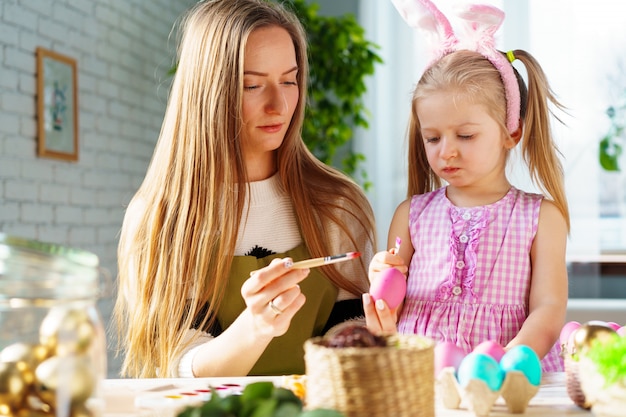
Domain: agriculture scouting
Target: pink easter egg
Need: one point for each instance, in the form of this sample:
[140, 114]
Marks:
[390, 286]
[491, 348]
[447, 354]
[622, 331]
[570, 344]
[613, 325]
[567, 329]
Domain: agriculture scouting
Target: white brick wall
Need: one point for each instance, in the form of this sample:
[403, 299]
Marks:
[123, 50]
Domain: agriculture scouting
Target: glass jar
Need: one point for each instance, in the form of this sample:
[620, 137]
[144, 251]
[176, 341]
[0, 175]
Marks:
[52, 341]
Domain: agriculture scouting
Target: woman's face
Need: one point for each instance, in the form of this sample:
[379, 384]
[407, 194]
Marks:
[270, 97]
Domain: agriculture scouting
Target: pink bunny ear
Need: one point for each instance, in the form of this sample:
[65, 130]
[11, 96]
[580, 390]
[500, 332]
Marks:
[424, 15]
[481, 22]
[488, 17]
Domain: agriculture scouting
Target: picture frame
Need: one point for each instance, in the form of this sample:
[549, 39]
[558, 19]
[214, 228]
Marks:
[57, 106]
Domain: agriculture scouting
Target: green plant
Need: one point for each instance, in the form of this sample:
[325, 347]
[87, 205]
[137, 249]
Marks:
[340, 58]
[609, 356]
[611, 148]
[259, 399]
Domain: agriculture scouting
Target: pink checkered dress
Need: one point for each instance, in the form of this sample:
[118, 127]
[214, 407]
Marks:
[469, 278]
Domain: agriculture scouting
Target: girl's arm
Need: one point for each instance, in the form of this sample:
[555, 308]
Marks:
[548, 290]
[378, 317]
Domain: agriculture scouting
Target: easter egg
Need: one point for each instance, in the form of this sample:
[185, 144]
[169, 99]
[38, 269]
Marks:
[491, 348]
[483, 367]
[591, 331]
[622, 331]
[390, 286]
[447, 354]
[570, 345]
[522, 358]
[613, 325]
[567, 329]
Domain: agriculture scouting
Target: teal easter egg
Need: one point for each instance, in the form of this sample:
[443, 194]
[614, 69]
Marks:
[524, 359]
[483, 367]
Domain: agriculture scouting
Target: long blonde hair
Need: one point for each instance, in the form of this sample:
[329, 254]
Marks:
[472, 75]
[175, 255]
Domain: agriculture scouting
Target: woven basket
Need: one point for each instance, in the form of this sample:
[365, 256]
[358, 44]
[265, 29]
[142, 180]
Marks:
[572, 382]
[397, 380]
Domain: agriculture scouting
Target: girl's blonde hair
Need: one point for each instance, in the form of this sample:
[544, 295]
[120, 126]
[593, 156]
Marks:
[175, 255]
[471, 75]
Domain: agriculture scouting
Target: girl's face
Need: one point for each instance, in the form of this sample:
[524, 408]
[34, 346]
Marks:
[270, 97]
[464, 145]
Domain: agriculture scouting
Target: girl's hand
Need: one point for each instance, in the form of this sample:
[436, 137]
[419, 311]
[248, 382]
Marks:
[379, 319]
[272, 296]
[386, 259]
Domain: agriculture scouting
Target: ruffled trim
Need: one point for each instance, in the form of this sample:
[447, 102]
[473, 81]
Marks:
[472, 220]
[458, 322]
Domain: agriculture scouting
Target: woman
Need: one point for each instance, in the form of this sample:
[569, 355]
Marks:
[232, 196]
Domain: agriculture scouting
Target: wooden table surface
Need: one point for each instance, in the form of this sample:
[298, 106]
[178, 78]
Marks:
[121, 395]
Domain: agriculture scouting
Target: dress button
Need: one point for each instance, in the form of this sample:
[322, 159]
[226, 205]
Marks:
[460, 265]
[466, 216]
[463, 238]
[457, 291]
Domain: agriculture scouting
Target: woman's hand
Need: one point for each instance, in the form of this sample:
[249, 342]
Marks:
[272, 296]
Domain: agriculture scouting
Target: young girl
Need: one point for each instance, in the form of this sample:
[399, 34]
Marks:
[231, 198]
[485, 260]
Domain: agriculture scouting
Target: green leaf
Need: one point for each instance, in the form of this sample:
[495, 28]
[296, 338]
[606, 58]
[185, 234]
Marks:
[609, 154]
[208, 409]
[288, 409]
[231, 404]
[257, 390]
[321, 412]
[284, 395]
[265, 408]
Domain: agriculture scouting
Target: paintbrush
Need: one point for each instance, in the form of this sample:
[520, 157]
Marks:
[325, 260]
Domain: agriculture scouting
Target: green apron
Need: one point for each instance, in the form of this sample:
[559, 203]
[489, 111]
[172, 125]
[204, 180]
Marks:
[285, 354]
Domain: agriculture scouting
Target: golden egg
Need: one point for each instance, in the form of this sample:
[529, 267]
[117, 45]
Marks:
[33, 402]
[13, 388]
[590, 332]
[71, 378]
[27, 412]
[81, 411]
[66, 331]
[32, 354]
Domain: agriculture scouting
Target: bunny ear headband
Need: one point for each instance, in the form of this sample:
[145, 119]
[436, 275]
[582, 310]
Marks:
[480, 23]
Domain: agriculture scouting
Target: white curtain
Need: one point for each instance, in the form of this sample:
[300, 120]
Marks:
[388, 99]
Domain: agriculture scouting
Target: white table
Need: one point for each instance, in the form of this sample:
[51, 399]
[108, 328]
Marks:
[120, 394]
